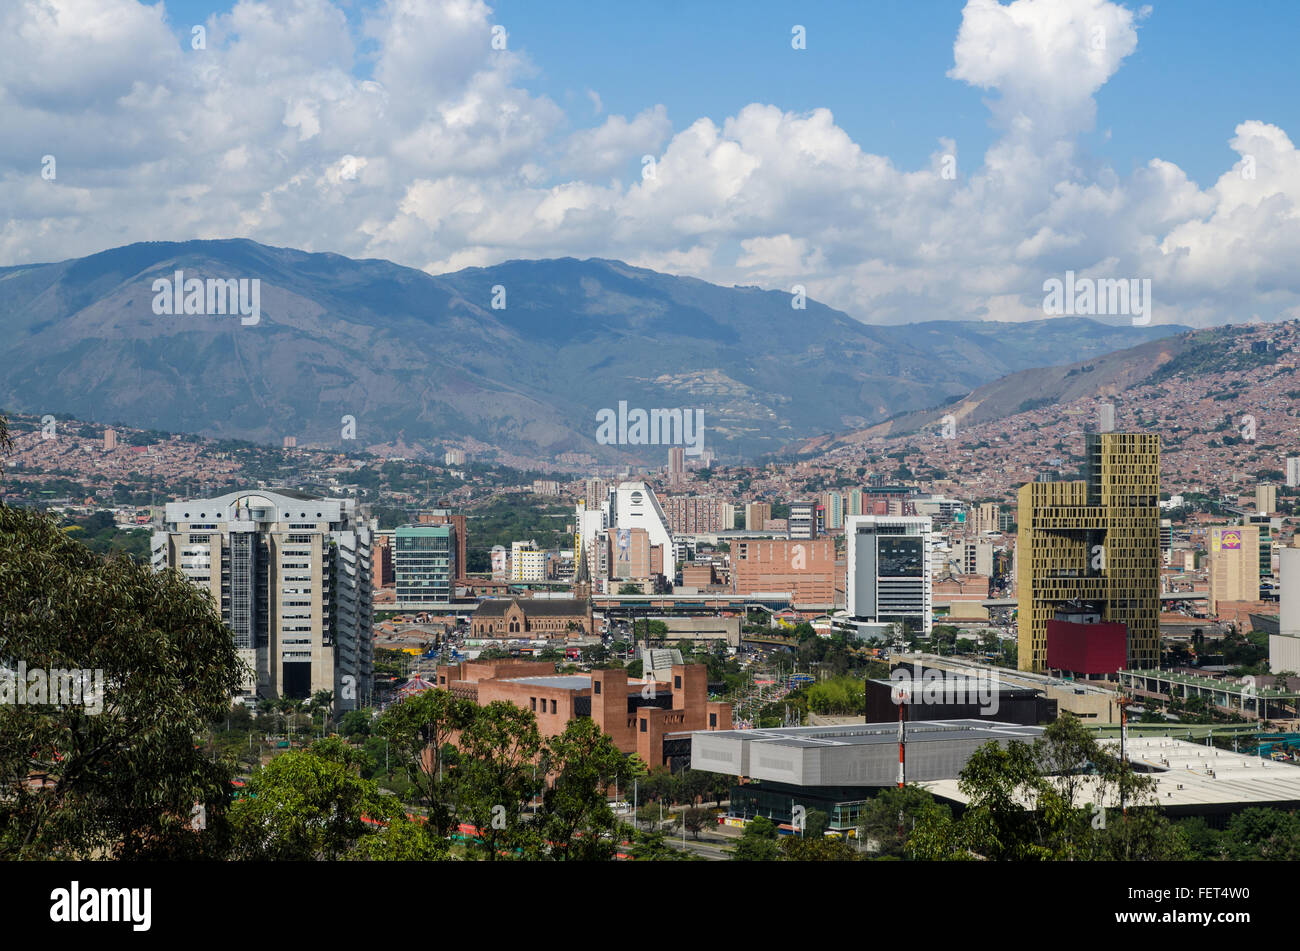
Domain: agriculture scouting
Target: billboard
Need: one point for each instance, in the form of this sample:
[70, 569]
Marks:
[1226, 539]
[1086, 648]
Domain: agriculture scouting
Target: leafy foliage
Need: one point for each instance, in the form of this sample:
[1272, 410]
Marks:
[124, 781]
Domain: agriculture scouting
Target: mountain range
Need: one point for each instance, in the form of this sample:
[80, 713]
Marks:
[513, 361]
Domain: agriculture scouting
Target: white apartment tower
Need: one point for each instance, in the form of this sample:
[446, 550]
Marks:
[290, 574]
[889, 569]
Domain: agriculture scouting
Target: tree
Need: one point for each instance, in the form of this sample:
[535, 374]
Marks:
[576, 820]
[654, 847]
[308, 805]
[498, 774]
[758, 843]
[893, 809]
[355, 723]
[403, 840]
[419, 731]
[322, 700]
[998, 781]
[1025, 803]
[816, 824]
[819, 849]
[116, 775]
[696, 820]
[1268, 834]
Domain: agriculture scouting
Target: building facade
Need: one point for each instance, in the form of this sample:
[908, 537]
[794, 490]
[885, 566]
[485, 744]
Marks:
[806, 569]
[802, 522]
[634, 505]
[1095, 541]
[527, 562]
[757, 515]
[694, 515]
[291, 576]
[424, 565]
[1234, 564]
[889, 571]
[532, 618]
[650, 718]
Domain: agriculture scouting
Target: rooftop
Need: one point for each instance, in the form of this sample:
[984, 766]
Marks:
[864, 734]
[1187, 775]
[561, 682]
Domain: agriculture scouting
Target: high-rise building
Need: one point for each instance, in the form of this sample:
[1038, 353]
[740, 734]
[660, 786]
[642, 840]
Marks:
[1284, 646]
[424, 564]
[1106, 418]
[728, 516]
[1095, 541]
[757, 515]
[833, 503]
[291, 576]
[889, 570]
[1264, 525]
[676, 465]
[499, 558]
[802, 522]
[110, 440]
[635, 556]
[461, 524]
[595, 493]
[985, 518]
[453, 457]
[1265, 498]
[1234, 564]
[694, 515]
[527, 562]
[634, 505]
[1293, 472]
[381, 570]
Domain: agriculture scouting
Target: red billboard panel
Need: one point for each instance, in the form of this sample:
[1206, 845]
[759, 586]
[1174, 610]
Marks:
[1086, 648]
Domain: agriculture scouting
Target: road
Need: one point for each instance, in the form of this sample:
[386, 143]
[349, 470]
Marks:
[709, 846]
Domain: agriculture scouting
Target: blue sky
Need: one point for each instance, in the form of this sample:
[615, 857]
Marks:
[880, 66]
[392, 129]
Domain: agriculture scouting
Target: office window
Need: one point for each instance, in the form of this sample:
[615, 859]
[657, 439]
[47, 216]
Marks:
[677, 682]
[643, 725]
[533, 702]
[553, 710]
[596, 684]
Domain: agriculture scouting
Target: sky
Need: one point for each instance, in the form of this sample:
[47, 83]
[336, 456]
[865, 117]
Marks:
[911, 161]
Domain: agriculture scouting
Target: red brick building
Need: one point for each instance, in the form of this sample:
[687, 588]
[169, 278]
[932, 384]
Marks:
[639, 716]
[804, 567]
[532, 618]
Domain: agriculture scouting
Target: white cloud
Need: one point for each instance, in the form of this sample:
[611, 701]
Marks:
[430, 149]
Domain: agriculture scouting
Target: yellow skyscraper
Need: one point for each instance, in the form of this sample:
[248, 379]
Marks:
[1095, 541]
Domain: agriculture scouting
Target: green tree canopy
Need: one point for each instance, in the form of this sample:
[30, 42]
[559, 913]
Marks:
[576, 820]
[122, 774]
